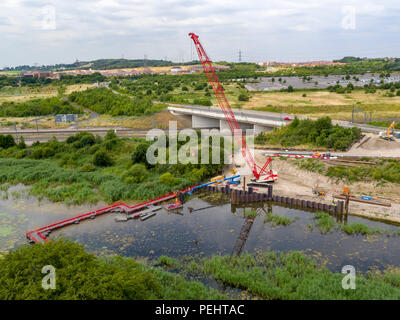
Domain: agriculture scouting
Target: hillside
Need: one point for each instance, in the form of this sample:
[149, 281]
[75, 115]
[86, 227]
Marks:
[99, 64]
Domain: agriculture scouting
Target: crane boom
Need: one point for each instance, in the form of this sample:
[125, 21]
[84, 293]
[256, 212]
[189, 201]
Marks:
[226, 108]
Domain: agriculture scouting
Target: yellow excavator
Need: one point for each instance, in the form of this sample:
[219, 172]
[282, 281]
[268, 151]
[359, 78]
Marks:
[389, 133]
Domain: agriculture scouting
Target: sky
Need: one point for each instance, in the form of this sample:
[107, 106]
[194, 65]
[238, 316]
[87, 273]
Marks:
[61, 31]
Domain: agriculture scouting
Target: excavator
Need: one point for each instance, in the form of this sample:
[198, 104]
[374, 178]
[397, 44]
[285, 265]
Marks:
[389, 133]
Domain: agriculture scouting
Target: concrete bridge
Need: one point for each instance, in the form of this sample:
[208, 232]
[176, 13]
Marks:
[213, 117]
[258, 121]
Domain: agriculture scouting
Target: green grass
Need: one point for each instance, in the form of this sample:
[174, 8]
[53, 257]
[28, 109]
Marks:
[277, 220]
[324, 222]
[291, 275]
[359, 228]
[385, 124]
[250, 213]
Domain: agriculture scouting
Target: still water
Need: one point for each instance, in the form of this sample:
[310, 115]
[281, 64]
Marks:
[206, 225]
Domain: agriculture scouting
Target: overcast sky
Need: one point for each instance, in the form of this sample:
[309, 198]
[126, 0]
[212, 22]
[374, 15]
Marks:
[61, 31]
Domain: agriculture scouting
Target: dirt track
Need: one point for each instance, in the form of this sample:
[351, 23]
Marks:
[375, 146]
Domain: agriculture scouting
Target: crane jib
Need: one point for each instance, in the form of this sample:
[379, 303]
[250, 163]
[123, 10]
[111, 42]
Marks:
[226, 108]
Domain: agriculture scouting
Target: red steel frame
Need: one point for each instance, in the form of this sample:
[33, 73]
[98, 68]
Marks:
[38, 232]
[226, 108]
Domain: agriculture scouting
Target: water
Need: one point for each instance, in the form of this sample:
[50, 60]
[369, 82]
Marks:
[20, 213]
[204, 232]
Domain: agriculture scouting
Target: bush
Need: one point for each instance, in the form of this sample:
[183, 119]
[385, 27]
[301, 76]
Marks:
[168, 179]
[79, 275]
[88, 167]
[138, 173]
[243, 97]
[139, 155]
[202, 102]
[320, 133]
[7, 141]
[37, 153]
[102, 159]
[21, 143]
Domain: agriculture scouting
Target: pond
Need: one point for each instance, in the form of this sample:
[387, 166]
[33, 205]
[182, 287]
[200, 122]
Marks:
[208, 224]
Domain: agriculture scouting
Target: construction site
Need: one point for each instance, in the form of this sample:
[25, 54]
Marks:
[278, 179]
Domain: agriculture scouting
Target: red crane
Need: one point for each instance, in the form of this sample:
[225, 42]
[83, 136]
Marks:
[230, 117]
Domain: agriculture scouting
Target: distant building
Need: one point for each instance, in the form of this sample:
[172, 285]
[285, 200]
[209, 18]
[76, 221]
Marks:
[196, 69]
[176, 69]
[101, 84]
[36, 74]
[66, 117]
[300, 64]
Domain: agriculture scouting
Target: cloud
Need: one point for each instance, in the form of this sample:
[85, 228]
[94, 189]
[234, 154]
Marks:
[261, 29]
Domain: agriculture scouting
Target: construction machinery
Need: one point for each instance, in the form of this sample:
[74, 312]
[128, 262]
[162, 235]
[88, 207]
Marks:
[389, 133]
[319, 191]
[261, 174]
[346, 190]
[217, 178]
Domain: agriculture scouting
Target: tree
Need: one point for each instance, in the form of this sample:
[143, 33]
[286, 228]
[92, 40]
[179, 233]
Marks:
[290, 89]
[7, 141]
[21, 143]
[243, 97]
[139, 155]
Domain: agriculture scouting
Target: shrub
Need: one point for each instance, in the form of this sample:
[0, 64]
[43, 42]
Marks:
[88, 167]
[102, 159]
[168, 179]
[202, 102]
[138, 173]
[320, 132]
[21, 143]
[139, 155]
[243, 97]
[6, 141]
[80, 275]
[37, 153]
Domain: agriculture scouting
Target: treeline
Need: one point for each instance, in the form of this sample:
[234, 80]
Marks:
[37, 107]
[320, 133]
[392, 87]
[104, 101]
[9, 81]
[101, 64]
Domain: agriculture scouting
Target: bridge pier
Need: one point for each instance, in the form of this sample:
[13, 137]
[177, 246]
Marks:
[204, 122]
